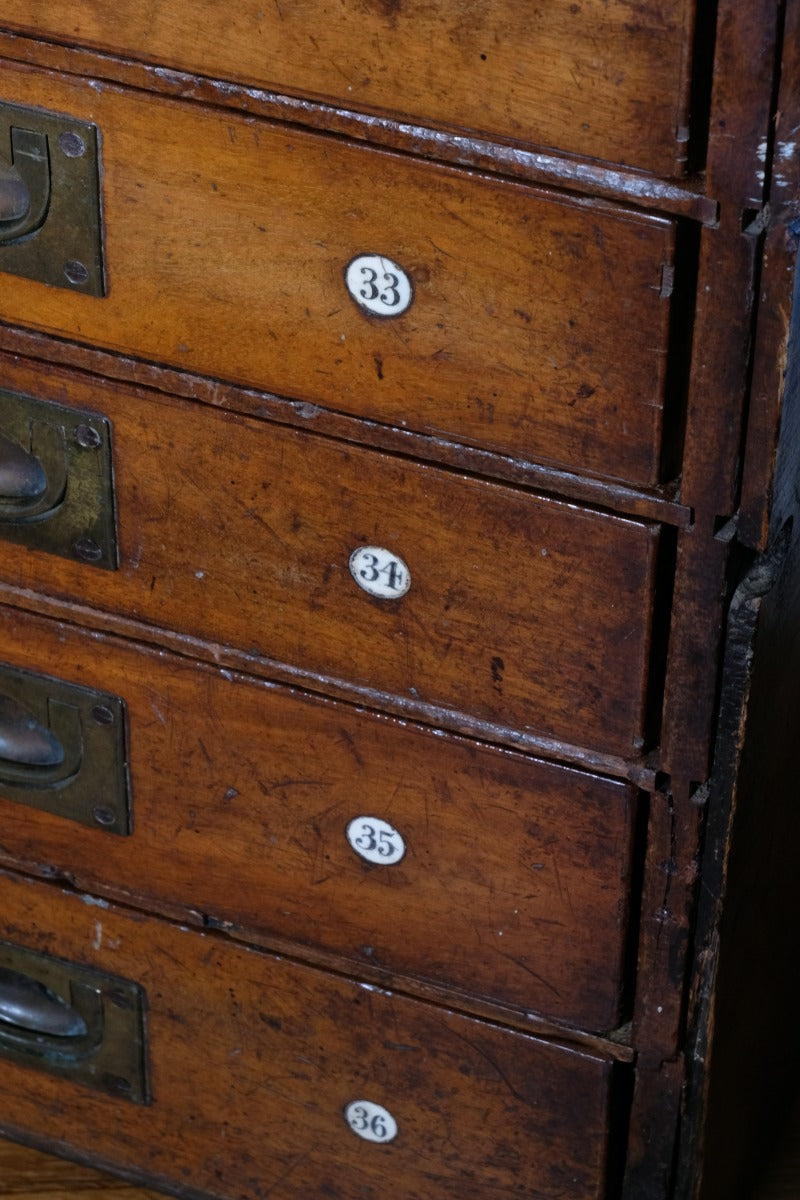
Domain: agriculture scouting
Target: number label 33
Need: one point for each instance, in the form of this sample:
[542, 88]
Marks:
[379, 285]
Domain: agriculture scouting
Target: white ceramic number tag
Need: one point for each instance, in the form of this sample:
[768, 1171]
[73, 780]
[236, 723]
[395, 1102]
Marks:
[370, 1121]
[380, 572]
[375, 840]
[378, 285]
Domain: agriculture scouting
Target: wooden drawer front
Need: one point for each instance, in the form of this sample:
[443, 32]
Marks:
[537, 327]
[603, 79]
[522, 611]
[514, 877]
[254, 1061]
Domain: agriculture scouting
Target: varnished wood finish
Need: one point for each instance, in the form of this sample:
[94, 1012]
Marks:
[515, 879]
[26, 1172]
[229, 262]
[253, 1060]
[551, 167]
[562, 588]
[579, 77]
[581, 437]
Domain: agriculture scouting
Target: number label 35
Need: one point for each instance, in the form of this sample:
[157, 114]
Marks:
[376, 841]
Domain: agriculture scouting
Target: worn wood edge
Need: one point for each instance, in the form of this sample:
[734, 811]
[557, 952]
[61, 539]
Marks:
[60, 1149]
[741, 124]
[450, 145]
[751, 792]
[778, 224]
[26, 1171]
[660, 505]
[721, 804]
[610, 1048]
[614, 1044]
[637, 770]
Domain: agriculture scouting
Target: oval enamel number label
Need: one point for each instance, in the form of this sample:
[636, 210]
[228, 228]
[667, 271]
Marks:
[380, 572]
[375, 840]
[370, 1121]
[379, 285]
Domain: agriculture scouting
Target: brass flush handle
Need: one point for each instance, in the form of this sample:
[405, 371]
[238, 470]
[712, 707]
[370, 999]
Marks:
[24, 740]
[40, 1025]
[33, 482]
[15, 199]
[22, 476]
[24, 186]
[74, 1022]
[27, 1004]
[63, 750]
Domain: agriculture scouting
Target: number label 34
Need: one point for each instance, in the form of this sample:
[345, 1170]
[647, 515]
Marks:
[380, 572]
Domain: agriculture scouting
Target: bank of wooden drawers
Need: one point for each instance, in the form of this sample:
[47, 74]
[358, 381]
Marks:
[227, 240]
[610, 80]
[254, 1060]
[529, 618]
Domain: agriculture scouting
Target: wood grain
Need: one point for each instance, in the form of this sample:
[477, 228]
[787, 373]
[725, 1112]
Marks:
[539, 325]
[254, 1058]
[241, 533]
[27, 1172]
[607, 80]
[513, 886]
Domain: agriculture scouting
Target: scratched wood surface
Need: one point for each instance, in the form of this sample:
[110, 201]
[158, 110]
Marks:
[513, 339]
[26, 1172]
[575, 76]
[254, 1061]
[458, 806]
[564, 590]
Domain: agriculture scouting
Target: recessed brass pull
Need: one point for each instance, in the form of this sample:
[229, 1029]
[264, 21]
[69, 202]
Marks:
[24, 185]
[22, 476]
[42, 472]
[15, 199]
[27, 1004]
[50, 220]
[25, 740]
[73, 1022]
[56, 480]
[63, 750]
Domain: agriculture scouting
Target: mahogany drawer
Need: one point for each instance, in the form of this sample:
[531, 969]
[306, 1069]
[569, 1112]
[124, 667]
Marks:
[529, 614]
[538, 325]
[255, 1060]
[604, 79]
[278, 813]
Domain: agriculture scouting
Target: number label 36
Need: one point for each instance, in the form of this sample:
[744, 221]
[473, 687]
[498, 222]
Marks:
[378, 285]
[370, 1121]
